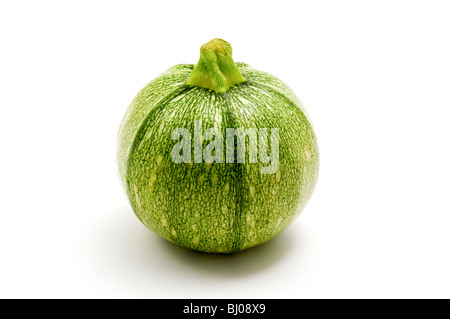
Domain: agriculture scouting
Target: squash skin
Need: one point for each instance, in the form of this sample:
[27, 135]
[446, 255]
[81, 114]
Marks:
[218, 207]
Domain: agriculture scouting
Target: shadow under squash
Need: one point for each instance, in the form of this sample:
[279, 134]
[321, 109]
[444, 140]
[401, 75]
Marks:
[241, 263]
[119, 246]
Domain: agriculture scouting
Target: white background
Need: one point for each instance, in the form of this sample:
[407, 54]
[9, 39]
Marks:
[373, 75]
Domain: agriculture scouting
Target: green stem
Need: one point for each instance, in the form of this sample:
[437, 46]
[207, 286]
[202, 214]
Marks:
[216, 69]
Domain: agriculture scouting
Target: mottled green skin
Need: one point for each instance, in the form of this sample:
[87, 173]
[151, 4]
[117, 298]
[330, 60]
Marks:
[218, 207]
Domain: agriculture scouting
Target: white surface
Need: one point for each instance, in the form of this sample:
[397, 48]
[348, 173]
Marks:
[374, 77]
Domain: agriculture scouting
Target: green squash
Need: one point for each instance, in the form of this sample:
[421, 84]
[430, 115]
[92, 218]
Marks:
[217, 157]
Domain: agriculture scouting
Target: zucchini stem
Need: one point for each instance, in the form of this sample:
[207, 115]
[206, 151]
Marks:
[216, 69]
